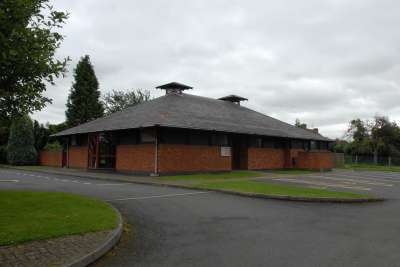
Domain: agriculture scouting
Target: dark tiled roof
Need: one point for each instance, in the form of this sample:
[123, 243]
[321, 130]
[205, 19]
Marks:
[194, 112]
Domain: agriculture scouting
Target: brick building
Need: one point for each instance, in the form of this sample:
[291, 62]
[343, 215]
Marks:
[179, 132]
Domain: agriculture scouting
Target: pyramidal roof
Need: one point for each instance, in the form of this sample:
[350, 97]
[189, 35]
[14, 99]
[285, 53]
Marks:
[194, 112]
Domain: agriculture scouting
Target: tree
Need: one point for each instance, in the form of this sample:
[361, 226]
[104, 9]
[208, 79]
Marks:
[83, 101]
[28, 42]
[118, 100]
[358, 130]
[41, 135]
[21, 144]
[300, 124]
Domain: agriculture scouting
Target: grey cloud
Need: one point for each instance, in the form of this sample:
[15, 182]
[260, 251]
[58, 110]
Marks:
[324, 62]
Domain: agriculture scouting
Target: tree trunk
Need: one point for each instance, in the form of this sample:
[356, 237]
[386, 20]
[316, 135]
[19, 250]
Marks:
[376, 157]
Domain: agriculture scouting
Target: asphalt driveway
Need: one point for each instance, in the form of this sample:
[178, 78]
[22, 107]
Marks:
[177, 227]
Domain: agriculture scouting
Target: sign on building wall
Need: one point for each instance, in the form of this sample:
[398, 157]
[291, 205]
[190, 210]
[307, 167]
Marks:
[225, 151]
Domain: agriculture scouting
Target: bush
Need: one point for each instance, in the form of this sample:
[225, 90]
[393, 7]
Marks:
[3, 154]
[21, 143]
[53, 146]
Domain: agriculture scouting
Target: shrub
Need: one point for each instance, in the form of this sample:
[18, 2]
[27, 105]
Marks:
[21, 143]
[53, 146]
[3, 154]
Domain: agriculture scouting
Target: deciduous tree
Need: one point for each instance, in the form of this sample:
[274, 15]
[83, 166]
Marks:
[29, 39]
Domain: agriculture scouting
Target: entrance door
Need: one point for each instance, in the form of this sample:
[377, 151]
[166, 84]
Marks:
[101, 151]
[239, 152]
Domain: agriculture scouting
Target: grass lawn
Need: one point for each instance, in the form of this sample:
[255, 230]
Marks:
[27, 216]
[293, 171]
[372, 167]
[214, 176]
[277, 190]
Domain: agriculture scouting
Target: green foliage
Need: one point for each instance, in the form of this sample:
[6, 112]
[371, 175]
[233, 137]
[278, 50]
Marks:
[300, 124]
[53, 146]
[118, 100]
[41, 135]
[21, 143]
[28, 43]
[83, 101]
[379, 136]
[55, 128]
[3, 154]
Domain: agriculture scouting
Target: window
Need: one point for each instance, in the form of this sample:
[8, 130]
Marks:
[313, 145]
[268, 143]
[198, 138]
[128, 138]
[297, 144]
[173, 136]
[147, 136]
[255, 141]
[324, 145]
[279, 144]
[219, 140]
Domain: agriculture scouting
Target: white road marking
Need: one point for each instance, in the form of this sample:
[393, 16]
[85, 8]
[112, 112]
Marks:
[159, 196]
[354, 181]
[87, 183]
[109, 184]
[10, 181]
[296, 180]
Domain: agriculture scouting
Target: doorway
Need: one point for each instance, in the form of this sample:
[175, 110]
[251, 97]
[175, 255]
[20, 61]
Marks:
[239, 152]
[102, 150]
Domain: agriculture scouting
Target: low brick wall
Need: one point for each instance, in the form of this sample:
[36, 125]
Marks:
[192, 158]
[52, 158]
[315, 160]
[78, 157]
[265, 158]
[135, 158]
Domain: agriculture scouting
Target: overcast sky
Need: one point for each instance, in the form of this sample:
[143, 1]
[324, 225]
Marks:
[322, 61]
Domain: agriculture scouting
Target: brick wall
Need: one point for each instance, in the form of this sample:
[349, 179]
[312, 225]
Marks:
[51, 158]
[266, 158]
[315, 160]
[291, 157]
[78, 157]
[139, 158]
[188, 158]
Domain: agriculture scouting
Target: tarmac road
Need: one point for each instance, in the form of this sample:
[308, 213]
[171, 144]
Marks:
[177, 227]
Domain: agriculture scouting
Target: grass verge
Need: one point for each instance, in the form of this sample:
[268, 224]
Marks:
[278, 190]
[213, 176]
[27, 216]
[371, 167]
[293, 172]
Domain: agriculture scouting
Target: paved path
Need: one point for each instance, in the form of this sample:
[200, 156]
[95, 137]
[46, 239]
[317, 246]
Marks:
[177, 227]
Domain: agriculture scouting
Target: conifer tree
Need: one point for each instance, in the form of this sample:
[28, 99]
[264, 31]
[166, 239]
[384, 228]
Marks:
[21, 143]
[84, 99]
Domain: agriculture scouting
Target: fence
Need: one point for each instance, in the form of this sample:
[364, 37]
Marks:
[369, 159]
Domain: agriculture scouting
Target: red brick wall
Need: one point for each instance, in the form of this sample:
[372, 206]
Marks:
[138, 158]
[78, 157]
[315, 160]
[51, 158]
[266, 158]
[291, 154]
[188, 158]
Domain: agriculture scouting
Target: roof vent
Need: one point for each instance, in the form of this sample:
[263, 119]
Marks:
[174, 88]
[233, 98]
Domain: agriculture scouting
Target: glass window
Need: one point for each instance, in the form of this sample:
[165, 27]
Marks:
[147, 136]
[297, 144]
[255, 141]
[268, 143]
[173, 136]
[313, 145]
[198, 138]
[220, 140]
